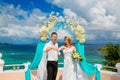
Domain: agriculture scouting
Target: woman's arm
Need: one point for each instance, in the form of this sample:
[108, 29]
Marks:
[61, 48]
[74, 49]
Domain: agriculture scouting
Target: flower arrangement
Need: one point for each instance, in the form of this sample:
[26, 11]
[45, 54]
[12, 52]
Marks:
[77, 29]
[76, 57]
[46, 28]
[71, 24]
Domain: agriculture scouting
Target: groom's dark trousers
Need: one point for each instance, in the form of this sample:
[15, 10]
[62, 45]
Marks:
[52, 68]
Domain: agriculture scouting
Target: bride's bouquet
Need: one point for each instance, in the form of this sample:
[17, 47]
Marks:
[76, 57]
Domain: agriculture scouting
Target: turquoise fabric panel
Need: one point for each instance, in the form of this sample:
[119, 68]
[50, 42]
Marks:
[89, 69]
[36, 60]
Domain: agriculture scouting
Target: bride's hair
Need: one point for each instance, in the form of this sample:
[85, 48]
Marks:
[68, 39]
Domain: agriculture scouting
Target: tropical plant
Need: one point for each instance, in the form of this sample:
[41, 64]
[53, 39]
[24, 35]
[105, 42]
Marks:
[111, 52]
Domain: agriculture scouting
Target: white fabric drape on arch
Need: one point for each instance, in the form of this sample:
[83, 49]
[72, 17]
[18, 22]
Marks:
[42, 69]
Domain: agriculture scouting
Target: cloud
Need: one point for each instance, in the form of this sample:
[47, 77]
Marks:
[62, 33]
[101, 19]
[102, 36]
[100, 15]
[69, 13]
[17, 23]
[96, 12]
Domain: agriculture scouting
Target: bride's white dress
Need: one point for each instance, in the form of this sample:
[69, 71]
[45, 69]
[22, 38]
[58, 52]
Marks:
[72, 70]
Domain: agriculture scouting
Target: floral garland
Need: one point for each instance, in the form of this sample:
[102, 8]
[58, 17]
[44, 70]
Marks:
[47, 27]
[78, 30]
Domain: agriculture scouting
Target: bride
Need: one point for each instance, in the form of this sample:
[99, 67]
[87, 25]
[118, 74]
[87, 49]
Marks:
[72, 70]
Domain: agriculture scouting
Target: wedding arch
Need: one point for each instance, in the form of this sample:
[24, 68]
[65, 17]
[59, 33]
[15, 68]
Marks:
[78, 32]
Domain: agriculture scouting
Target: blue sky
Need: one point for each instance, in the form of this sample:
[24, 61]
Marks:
[19, 18]
[29, 5]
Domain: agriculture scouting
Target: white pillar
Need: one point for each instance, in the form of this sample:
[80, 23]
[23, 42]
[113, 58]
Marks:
[1, 63]
[118, 67]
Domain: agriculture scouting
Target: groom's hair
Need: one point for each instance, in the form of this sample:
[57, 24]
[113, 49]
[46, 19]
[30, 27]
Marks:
[53, 33]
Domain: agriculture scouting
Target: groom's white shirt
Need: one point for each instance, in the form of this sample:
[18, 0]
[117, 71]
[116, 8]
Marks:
[52, 55]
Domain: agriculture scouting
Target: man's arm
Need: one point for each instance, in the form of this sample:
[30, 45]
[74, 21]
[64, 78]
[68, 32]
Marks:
[47, 48]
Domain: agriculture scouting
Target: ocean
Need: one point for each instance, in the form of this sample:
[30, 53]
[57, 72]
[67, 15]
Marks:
[18, 54]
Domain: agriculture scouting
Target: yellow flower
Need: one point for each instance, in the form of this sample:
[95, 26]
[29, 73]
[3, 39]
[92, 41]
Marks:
[41, 33]
[79, 29]
[76, 57]
[46, 30]
[43, 38]
[67, 20]
[77, 34]
[49, 25]
[72, 28]
[81, 36]
[42, 28]
[65, 26]
[52, 19]
[82, 40]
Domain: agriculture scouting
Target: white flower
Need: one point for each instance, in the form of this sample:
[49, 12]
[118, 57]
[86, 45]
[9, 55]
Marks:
[82, 40]
[77, 33]
[83, 36]
[65, 26]
[52, 19]
[42, 28]
[72, 25]
[80, 36]
[79, 29]
[72, 28]
[43, 38]
[67, 20]
[46, 28]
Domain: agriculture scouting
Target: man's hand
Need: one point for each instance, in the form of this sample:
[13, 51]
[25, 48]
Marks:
[51, 48]
[55, 48]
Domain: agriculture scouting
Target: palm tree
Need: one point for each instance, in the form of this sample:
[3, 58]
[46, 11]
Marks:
[111, 52]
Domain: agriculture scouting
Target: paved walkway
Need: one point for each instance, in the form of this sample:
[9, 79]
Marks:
[20, 75]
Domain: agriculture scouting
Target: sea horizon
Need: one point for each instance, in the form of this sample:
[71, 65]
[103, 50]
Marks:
[19, 54]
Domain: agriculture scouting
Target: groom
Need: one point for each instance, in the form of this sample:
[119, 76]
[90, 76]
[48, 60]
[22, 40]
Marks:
[51, 48]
